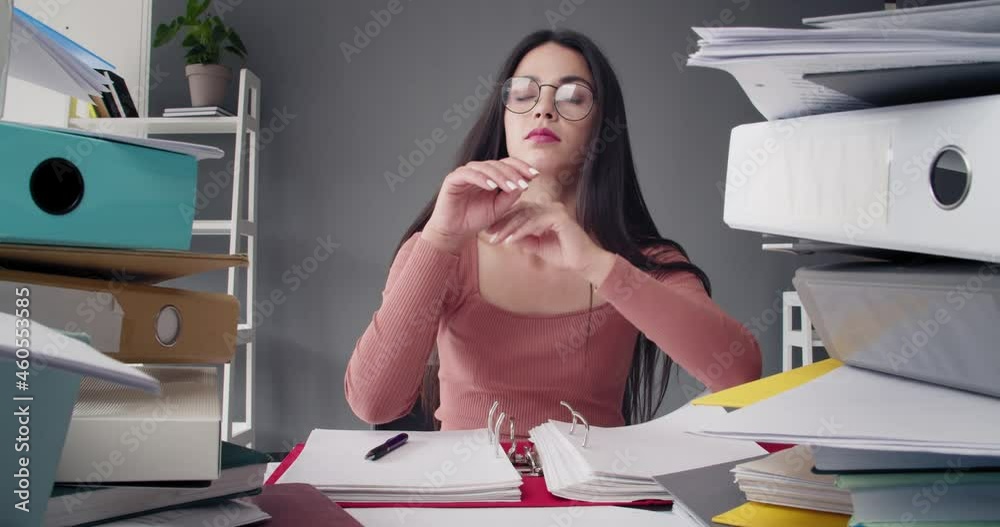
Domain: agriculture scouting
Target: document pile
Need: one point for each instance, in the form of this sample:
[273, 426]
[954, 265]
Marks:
[786, 478]
[43, 56]
[854, 62]
[876, 124]
[885, 438]
[93, 222]
[436, 467]
[618, 464]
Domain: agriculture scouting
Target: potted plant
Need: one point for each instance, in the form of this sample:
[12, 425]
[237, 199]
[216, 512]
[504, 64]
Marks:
[207, 37]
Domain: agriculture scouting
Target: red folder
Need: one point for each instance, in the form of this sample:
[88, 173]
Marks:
[534, 493]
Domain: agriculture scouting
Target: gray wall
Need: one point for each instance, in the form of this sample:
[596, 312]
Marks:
[322, 173]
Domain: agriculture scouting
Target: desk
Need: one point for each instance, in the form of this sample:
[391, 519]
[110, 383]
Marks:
[520, 517]
[513, 517]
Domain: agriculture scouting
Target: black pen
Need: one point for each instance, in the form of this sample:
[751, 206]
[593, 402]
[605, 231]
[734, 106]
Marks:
[390, 444]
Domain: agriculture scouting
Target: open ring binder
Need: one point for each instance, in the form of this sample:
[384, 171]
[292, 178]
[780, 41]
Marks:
[527, 461]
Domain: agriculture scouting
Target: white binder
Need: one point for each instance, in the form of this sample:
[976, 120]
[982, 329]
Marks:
[890, 178]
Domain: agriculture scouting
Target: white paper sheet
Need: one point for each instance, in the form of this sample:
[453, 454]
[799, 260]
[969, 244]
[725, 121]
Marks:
[37, 58]
[6, 20]
[431, 466]
[855, 408]
[982, 15]
[195, 150]
[776, 87]
[55, 350]
[619, 463]
[786, 478]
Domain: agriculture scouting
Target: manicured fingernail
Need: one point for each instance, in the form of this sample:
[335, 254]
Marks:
[507, 239]
[522, 183]
[511, 185]
[491, 183]
[533, 171]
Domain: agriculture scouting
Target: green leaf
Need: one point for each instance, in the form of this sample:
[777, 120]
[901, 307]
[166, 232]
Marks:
[194, 9]
[195, 50]
[165, 33]
[201, 33]
[190, 40]
[235, 51]
[237, 42]
[218, 34]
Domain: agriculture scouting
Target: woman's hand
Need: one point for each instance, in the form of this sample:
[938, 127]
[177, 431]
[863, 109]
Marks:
[473, 197]
[547, 230]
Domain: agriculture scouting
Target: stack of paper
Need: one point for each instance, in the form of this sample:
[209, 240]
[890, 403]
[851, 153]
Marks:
[439, 467]
[780, 69]
[855, 408]
[618, 464]
[786, 478]
[43, 56]
[770, 63]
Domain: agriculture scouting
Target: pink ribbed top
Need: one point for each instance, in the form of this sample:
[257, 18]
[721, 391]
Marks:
[531, 362]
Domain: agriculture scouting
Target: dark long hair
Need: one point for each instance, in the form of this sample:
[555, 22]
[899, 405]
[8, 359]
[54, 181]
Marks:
[609, 206]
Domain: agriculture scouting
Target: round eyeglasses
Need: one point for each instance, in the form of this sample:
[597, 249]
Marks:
[573, 101]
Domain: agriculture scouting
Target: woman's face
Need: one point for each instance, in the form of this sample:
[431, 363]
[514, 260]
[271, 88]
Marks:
[561, 156]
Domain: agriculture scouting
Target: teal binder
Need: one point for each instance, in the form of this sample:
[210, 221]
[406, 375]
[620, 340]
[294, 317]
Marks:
[61, 188]
[26, 490]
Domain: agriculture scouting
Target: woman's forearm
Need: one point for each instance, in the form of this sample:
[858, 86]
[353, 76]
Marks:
[684, 322]
[387, 367]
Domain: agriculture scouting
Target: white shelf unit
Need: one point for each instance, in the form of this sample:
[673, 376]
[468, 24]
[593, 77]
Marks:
[804, 338]
[245, 125]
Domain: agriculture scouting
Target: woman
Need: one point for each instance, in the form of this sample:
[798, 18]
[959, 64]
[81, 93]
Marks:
[538, 272]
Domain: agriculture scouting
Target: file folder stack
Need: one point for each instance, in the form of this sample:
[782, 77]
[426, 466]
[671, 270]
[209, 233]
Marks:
[91, 222]
[853, 156]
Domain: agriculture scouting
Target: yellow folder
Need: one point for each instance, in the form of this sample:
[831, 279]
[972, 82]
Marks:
[756, 391]
[753, 514]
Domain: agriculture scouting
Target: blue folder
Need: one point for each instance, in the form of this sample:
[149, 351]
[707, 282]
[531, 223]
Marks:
[61, 188]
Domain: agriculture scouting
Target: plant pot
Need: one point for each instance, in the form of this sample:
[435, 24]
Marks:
[208, 83]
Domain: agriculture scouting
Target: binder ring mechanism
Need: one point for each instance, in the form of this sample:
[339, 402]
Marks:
[577, 415]
[527, 462]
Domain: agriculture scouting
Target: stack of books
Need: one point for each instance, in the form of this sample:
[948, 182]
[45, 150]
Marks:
[198, 111]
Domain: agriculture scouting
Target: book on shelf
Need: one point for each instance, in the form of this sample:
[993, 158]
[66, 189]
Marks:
[118, 101]
[198, 111]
